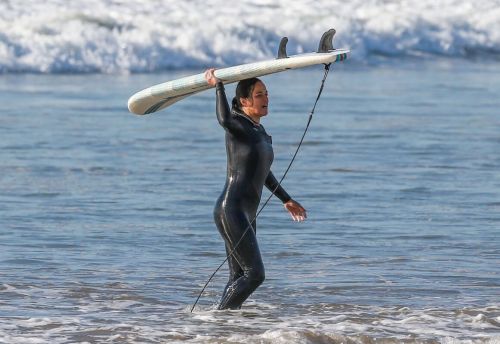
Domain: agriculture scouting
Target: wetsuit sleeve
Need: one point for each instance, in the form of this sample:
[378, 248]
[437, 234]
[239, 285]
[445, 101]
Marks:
[224, 115]
[272, 183]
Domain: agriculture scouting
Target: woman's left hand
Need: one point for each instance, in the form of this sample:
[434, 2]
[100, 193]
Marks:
[297, 211]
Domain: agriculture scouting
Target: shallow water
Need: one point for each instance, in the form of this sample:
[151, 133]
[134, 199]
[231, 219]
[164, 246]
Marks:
[106, 230]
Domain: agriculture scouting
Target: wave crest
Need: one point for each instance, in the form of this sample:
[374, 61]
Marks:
[116, 36]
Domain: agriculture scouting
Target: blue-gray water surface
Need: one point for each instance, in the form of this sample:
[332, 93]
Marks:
[106, 230]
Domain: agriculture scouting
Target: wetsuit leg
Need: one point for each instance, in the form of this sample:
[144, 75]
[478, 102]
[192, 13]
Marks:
[235, 271]
[232, 225]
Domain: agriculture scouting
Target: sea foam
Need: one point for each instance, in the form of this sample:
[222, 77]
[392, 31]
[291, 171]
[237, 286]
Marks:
[117, 36]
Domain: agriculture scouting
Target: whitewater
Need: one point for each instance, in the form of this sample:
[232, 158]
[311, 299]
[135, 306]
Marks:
[129, 36]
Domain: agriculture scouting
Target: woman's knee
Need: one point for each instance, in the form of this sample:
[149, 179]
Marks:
[256, 276]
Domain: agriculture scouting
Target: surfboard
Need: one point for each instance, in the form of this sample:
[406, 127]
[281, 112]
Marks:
[160, 96]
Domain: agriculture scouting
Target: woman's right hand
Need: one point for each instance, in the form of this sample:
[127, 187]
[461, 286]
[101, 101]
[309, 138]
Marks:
[297, 212]
[210, 77]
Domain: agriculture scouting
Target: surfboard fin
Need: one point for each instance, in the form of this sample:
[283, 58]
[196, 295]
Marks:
[326, 42]
[282, 49]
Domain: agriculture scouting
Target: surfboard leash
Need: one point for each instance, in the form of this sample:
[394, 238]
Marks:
[327, 70]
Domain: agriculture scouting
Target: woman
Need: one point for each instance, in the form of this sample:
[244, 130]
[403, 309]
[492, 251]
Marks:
[249, 157]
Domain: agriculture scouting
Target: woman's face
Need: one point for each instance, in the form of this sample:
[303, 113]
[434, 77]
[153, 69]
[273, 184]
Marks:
[258, 103]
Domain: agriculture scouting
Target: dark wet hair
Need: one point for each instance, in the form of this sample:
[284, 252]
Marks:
[243, 90]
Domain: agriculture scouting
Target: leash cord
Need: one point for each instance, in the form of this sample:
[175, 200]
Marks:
[327, 69]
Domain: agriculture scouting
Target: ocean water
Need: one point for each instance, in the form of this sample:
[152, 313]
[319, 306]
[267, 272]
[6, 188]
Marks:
[106, 230]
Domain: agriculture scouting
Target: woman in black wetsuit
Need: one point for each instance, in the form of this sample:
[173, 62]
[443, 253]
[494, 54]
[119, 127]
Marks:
[249, 157]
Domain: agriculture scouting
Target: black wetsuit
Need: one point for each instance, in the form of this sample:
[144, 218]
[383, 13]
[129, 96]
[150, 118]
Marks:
[249, 157]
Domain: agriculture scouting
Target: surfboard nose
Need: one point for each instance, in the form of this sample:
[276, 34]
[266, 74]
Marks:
[135, 104]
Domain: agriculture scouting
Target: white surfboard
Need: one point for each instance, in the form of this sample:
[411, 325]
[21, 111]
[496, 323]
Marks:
[160, 96]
